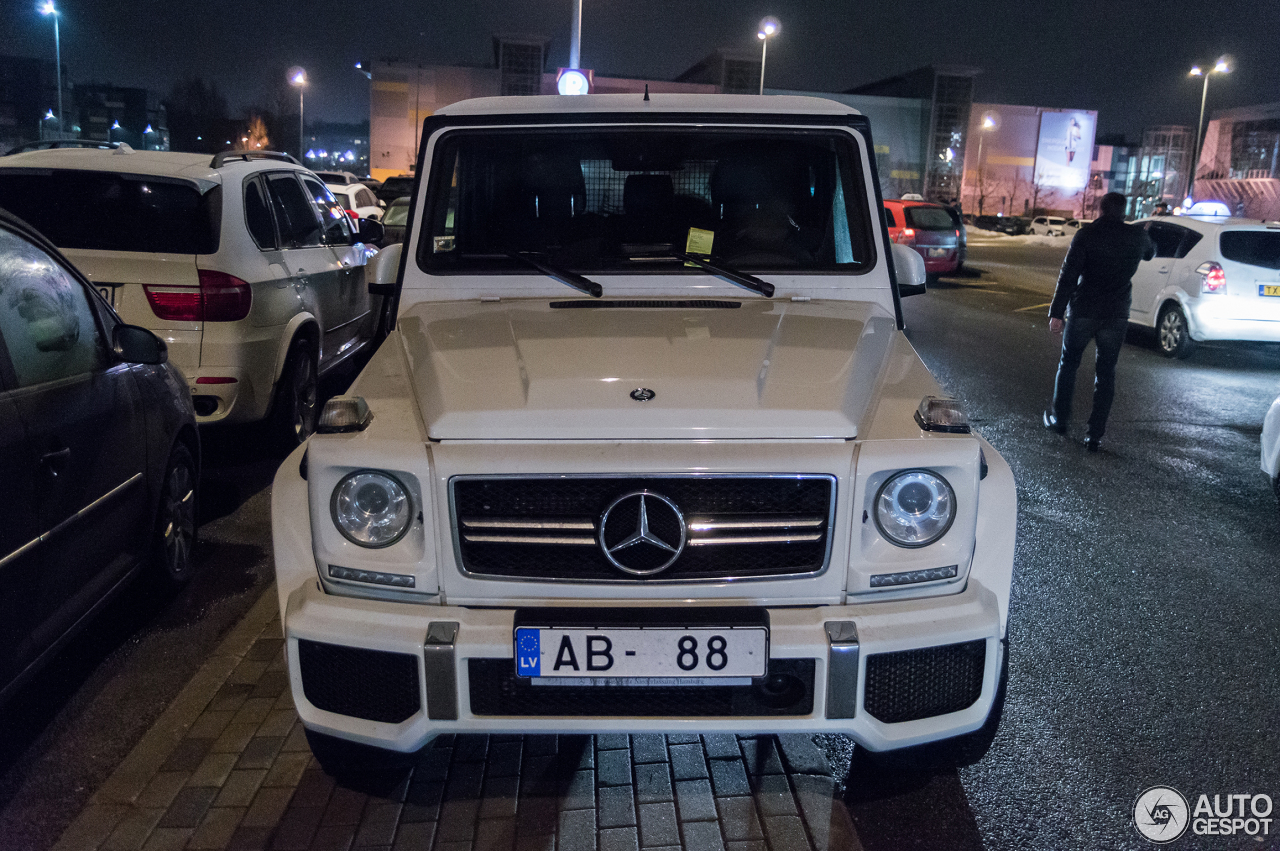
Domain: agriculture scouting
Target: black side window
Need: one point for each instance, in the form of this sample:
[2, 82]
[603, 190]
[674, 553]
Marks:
[1166, 237]
[47, 322]
[1189, 239]
[295, 213]
[888, 217]
[337, 227]
[257, 215]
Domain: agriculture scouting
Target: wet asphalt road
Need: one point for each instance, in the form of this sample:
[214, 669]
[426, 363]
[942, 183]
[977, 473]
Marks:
[1144, 631]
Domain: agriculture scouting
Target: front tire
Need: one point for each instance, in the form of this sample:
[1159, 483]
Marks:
[297, 397]
[1173, 334]
[174, 538]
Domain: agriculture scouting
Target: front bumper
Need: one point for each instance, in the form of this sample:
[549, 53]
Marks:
[430, 649]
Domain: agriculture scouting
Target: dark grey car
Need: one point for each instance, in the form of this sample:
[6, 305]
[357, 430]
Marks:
[99, 454]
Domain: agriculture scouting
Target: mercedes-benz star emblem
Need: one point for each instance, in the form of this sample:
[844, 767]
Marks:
[642, 533]
[642, 394]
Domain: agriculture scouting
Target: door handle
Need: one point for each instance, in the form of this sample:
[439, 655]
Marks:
[54, 462]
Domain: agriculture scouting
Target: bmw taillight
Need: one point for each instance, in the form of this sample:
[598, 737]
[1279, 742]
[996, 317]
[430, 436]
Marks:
[907, 236]
[1213, 279]
[219, 298]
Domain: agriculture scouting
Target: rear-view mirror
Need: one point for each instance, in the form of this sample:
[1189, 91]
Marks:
[910, 270]
[138, 345]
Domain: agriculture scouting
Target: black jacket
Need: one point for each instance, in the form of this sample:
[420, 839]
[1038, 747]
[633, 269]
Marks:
[1095, 277]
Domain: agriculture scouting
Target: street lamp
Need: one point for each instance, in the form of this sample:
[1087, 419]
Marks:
[298, 77]
[769, 27]
[988, 123]
[1220, 67]
[47, 8]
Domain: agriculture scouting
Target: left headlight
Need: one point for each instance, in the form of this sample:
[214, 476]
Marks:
[914, 508]
[371, 509]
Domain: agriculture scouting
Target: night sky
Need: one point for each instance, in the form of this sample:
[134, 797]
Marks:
[1127, 59]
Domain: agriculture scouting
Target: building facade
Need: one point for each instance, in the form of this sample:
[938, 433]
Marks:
[1239, 162]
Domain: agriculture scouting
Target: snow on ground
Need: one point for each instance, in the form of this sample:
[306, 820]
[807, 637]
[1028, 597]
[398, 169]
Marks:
[980, 235]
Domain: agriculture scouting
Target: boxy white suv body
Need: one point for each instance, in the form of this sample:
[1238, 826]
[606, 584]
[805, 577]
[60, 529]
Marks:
[242, 262]
[724, 496]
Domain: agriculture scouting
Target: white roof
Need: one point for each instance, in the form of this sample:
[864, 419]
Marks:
[195, 167]
[659, 102]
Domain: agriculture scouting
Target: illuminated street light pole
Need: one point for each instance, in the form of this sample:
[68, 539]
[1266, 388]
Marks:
[298, 77]
[1220, 67]
[769, 27]
[987, 123]
[575, 35]
[47, 8]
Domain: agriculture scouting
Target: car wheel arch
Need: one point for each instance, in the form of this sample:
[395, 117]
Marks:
[304, 325]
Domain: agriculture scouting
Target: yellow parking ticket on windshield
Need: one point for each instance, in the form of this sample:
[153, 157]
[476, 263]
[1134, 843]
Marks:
[699, 242]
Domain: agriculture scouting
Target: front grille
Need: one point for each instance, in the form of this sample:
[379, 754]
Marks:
[737, 526]
[914, 684]
[496, 690]
[367, 684]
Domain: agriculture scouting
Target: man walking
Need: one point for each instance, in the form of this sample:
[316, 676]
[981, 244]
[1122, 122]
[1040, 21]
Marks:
[1095, 282]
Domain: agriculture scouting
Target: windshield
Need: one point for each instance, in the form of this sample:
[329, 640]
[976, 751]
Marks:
[114, 212]
[607, 200]
[397, 214]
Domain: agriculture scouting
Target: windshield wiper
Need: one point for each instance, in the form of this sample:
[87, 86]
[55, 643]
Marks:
[751, 282]
[564, 276]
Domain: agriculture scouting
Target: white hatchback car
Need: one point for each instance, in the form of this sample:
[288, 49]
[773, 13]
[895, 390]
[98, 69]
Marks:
[1048, 226]
[243, 263]
[1213, 278]
[358, 200]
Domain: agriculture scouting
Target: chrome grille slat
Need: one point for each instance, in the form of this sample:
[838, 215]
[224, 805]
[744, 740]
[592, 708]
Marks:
[712, 524]
[803, 538]
[576, 540]
[529, 523]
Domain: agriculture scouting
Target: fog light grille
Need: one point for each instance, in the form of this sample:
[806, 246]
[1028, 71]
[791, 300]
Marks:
[367, 684]
[914, 684]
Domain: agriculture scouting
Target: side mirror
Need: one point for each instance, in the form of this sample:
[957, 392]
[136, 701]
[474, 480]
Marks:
[382, 270]
[371, 231]
[138, 345]
[910, 269]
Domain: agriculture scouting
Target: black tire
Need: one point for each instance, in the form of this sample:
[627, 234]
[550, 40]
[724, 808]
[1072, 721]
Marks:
[297, 397]
[174, 537]
[1173, 335]
[344, 759]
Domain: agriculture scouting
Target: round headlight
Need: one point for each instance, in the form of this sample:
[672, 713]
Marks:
[371, 509]
[914, 508]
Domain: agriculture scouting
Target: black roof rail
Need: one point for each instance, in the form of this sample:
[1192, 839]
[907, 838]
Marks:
[50, 144]
[221, 158]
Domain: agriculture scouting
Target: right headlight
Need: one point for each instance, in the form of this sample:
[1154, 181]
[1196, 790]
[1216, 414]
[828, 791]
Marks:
[371, 509]
[914, 508]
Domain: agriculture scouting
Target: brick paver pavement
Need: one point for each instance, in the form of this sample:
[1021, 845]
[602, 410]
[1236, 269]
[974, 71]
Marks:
[227, 767]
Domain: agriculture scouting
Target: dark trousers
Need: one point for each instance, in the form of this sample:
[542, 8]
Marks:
[1108, 335]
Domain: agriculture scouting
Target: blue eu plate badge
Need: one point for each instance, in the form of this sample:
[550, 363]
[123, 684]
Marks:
[528, 653]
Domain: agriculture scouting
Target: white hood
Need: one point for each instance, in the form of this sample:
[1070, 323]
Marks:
[523, 370]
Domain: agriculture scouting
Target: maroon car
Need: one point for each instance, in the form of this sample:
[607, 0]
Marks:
[930, 229]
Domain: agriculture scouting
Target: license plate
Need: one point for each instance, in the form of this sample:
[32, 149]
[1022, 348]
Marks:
[1269, 289]
[108, 294]
[938, 252]
[641, 655]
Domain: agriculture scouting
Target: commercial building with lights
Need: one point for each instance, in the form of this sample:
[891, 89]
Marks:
[1239, 161]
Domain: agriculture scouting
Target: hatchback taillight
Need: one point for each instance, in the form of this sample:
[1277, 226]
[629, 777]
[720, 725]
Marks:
[1212, 277]
[906, 236]
[219, 298]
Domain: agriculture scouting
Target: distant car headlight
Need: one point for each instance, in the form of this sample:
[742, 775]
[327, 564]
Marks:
[914, 508]
[371, 509]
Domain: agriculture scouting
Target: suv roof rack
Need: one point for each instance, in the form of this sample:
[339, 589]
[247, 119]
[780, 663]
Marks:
[221, 158]
[50, 144]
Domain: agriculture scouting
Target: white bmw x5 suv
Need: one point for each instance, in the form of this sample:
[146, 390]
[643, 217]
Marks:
[243, 263]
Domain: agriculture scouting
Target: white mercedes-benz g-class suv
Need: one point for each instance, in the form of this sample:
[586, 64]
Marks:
[646, 449]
